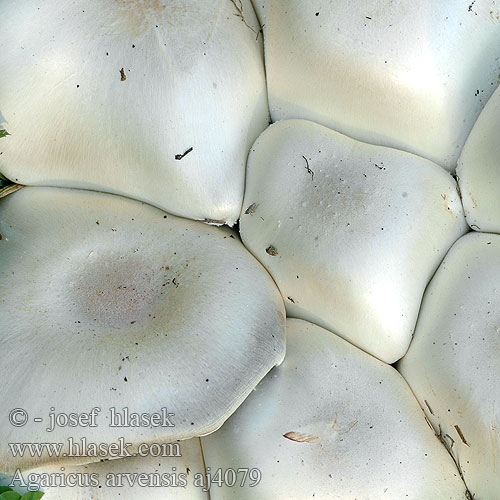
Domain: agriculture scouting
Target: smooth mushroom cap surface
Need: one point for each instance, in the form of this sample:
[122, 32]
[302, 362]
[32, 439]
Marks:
[159, 100]
[479, 170]
[147, 477]
[332, 422]
[405, 74]
[350, 232]
[111, 303]
[453, 364]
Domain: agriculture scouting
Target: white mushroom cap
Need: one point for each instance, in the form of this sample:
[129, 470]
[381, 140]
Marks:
[405, 74]
[148, 478]
[332, 423]
[479, 170]
[350, 232]
[108, 302]
[453, 364]
[104, 95]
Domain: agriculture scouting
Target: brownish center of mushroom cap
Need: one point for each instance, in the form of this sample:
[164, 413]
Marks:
[138, 16]
[117, 292]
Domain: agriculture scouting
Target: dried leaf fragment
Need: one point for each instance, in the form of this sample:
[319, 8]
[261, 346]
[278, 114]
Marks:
[271, 250]
[301, 438]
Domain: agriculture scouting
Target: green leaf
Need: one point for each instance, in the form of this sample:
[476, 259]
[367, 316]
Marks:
[32, 495]
[3, 133]
[10, 495]
[3, 489]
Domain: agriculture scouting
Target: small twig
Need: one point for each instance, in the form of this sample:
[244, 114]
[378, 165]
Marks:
[309, 171]
[11, 188]
[182, 155]
[428, 406]
[259, 32]
[239, 14]
[251, 209]
[449, 449]
[462, 437]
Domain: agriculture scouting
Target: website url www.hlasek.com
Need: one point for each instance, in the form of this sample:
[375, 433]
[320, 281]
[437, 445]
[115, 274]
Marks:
[83, 448]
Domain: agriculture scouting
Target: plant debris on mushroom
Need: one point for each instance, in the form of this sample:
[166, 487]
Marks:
[107, 302]
[332, 422]
[110, 95]
[453, 364]
[356, 243]
[478, 170]
[405, 74]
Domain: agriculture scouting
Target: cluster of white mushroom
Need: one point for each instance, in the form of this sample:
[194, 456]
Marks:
[132, 124]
